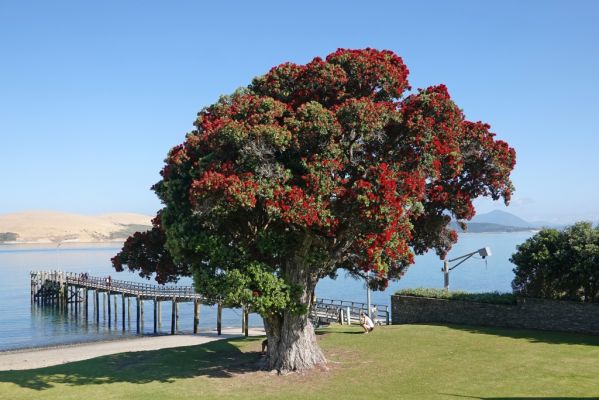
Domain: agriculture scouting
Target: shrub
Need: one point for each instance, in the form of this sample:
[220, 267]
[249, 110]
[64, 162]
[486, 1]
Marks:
[488, 297]
[8, 236]
[561, 265]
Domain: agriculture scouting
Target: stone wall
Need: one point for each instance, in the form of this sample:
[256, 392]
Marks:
[527, 313]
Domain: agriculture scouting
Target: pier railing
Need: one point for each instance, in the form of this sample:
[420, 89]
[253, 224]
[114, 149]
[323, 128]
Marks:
[144, 290]
[349, 311]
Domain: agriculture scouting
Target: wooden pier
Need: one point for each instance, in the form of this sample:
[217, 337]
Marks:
[69, 290]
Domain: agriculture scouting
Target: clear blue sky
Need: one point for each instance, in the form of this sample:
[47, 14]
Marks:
[94, 94]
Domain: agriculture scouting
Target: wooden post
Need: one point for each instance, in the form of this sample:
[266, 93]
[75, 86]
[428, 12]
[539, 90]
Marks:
[129, 312]
[173, 312]
[109, 314]
[61, 293]
[76, 299]
[219, 317]
[53, 283]
[104, 300]
[196, 315]
[159, 315]
[123, 309]
[116, 311]
[155, 315]
[177, 318]
[66, 289]
[85, 299]
[138, 311]
[141, 318]
[66, 296]
[97, 306]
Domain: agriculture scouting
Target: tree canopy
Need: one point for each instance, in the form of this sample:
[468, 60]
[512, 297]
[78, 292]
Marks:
[562, 265]
[312, 168]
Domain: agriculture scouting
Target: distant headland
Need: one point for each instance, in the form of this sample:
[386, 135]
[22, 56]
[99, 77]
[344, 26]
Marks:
[59, 227]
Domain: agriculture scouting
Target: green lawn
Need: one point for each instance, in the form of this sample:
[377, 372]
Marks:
[406, 361]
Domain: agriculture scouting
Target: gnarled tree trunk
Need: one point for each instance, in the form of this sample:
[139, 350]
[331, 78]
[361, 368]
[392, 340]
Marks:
[292, 342]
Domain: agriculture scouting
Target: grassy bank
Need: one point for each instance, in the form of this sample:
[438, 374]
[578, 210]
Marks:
[409, 361]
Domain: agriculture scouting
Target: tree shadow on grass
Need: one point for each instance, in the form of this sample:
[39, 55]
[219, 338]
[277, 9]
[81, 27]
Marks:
[219, 359]
[521, 398]
[535, 336]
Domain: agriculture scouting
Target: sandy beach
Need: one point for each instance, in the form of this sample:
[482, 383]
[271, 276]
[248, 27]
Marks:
[45, 357]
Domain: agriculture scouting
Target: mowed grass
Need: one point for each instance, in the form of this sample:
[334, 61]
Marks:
[402, 361]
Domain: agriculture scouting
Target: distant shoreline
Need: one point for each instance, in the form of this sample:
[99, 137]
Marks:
[67, 243]
[62, 243]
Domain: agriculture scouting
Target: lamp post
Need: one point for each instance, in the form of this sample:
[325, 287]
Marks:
[368, 293]
[484, 252]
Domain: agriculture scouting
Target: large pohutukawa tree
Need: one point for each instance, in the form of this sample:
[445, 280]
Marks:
[310, 169]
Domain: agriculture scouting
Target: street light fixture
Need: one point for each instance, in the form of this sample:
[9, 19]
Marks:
[484, 252]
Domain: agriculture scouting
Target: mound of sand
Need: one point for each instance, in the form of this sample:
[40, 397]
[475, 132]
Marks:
[56, 227]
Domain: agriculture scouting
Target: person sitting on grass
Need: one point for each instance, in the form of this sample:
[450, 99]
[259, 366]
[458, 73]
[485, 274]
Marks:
[366, 322]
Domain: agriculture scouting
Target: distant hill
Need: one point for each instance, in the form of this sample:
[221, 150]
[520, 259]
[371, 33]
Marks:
[501, 218]
[497, 221]
[484, 227]
[59, 227]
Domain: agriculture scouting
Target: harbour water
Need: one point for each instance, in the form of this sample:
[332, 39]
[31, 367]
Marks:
[23, 325]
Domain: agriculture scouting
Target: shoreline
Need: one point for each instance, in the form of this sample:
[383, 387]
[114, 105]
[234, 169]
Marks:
[50, 243]
[40, 357]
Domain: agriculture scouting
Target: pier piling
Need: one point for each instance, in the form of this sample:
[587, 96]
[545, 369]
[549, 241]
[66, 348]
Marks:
[196, 315]
[173, 312]
[155, 315]
[219, 318]
[70, 292]
[123, 309]
[107, 297]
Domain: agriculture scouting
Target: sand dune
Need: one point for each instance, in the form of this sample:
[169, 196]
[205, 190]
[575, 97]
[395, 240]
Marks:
[56, 227]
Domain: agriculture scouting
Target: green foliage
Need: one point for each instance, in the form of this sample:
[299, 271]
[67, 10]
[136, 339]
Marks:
[8, 236]
[255, 287]
[562, 265]
[489, 297]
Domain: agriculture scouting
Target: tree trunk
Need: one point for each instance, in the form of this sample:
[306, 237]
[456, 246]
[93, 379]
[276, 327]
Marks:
[292, 343]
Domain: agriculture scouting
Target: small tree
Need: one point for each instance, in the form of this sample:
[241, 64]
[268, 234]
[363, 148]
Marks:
[559, 264]
[313, 168]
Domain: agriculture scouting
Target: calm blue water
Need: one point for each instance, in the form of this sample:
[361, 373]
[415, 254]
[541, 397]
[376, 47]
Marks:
[23, 325]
